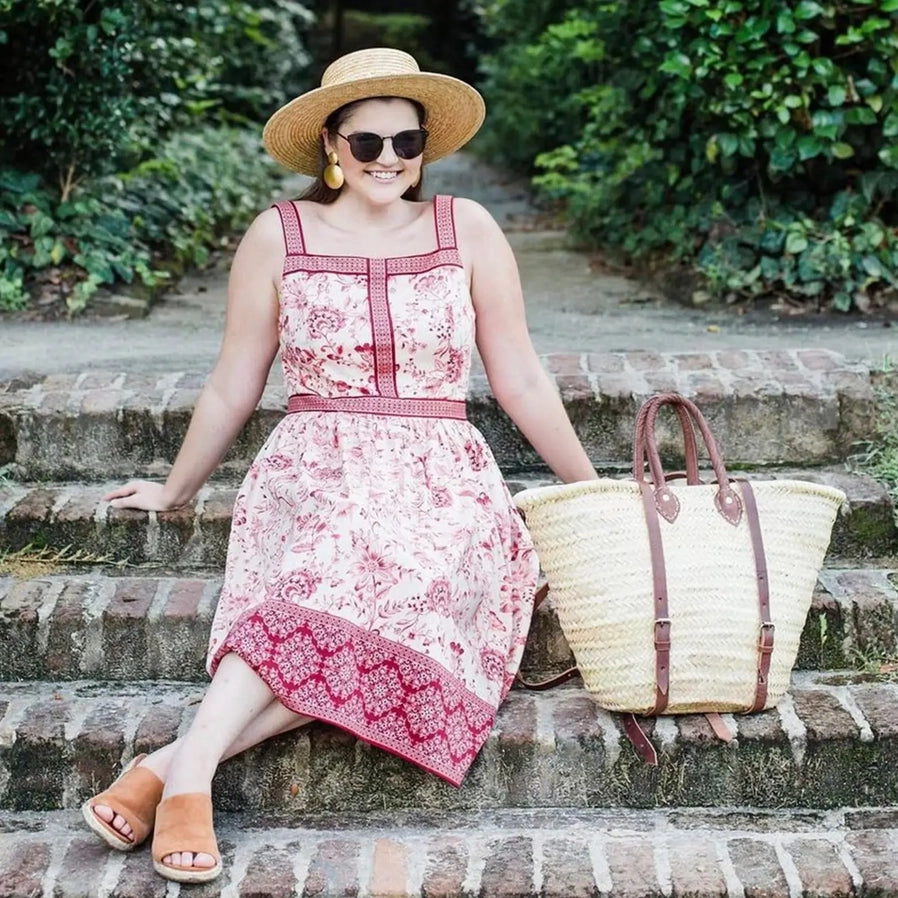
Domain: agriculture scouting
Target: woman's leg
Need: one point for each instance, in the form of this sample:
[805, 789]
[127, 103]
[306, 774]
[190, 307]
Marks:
[236, 696]
[272, 720]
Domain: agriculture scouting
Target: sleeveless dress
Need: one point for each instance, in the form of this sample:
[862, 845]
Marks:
[378, 575]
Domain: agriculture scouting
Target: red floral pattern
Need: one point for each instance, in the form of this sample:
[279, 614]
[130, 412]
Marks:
[378, 574]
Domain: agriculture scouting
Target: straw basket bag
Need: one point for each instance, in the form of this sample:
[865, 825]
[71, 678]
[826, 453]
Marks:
[681, 597]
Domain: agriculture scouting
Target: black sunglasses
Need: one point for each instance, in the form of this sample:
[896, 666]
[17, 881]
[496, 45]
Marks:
[366, 147]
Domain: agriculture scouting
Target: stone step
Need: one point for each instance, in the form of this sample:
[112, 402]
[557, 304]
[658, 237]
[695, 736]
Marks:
[551, 853]
[801, 407]
[94, 626]
[74, 514]
[831, 742]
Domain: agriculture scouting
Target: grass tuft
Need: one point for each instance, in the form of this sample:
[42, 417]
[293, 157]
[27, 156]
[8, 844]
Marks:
[31, 561]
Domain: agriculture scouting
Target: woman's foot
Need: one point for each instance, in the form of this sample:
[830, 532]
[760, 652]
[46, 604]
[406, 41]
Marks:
[184, 845]
[123, 815]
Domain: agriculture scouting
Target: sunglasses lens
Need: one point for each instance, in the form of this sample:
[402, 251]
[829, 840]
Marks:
[365, 147]
[409, 144]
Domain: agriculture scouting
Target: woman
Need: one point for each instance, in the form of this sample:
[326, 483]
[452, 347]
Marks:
[378, 575]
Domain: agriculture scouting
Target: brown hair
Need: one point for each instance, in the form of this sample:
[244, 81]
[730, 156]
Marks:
[318, 191]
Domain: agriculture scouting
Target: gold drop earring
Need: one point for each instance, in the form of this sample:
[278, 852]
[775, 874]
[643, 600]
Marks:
[333, 174]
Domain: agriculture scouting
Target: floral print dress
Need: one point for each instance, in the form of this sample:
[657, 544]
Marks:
[378, 576]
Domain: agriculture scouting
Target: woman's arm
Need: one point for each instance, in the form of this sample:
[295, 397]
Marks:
[233, 390]
[513, 369]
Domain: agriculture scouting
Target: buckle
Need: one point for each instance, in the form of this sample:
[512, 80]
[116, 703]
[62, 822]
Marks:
[662, 639]
[765, 638]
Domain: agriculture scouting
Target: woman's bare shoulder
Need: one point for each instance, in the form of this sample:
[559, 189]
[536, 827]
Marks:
[474, 220]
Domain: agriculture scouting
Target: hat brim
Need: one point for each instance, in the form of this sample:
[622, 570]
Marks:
[455, 112]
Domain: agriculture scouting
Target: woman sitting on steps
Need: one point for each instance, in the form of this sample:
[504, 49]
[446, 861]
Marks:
[378, 576]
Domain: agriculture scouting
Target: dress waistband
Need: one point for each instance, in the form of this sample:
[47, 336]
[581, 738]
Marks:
[397, 406]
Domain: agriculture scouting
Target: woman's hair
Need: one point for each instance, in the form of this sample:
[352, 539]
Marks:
[318, 191]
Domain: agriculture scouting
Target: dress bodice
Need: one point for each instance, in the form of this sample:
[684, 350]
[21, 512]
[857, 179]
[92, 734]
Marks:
[393, 327]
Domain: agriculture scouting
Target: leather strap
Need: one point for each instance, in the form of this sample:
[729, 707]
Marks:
[726, 500]
[540, 596]
[767, 629]
[639, 740]
[557, 680]
[660, 603]
[721, 730]
[690, 453]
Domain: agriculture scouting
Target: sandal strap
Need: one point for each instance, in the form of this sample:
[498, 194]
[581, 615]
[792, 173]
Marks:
[134, 796]
[184, 823]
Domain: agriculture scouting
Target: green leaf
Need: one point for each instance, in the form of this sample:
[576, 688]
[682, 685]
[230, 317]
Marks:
[809, 146]
[890, 125]
[729, 144]
[784, 22]
[808, 9]
[875, 102]
[785, 137]
[733, 80]
[674, 7]
[677, 64]
[888, 5]
[836, 95]
[41, 224]
[842, 300]
[872, 266]
[889, 156]
[796, 243]
[860, 115]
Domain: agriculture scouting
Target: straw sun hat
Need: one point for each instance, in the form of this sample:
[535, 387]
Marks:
[454, 109]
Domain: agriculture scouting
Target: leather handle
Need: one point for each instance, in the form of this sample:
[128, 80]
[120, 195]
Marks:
[690, 452]
[726, 500]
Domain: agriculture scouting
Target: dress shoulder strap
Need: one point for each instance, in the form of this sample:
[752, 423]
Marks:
[444, 221]
[292, 228]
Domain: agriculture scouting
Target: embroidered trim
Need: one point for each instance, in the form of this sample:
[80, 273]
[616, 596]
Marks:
[381, 328]
[445, 221]
[293, 240]
[403, 407]
[359, 264]
[380, 691]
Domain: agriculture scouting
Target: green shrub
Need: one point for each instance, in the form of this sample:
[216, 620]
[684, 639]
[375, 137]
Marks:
[530, 82]
[407, 31]
[90, 88]
[172, 208]
[752, 138]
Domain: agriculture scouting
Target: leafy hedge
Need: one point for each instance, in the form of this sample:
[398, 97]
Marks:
[106, 152]
[753, 139]
[171, 210]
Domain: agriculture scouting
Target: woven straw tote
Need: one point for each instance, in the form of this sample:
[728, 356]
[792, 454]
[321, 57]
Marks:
[681, 597]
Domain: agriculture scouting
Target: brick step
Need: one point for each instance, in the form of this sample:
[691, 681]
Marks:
[832, 742]
[101, 627]
[803, 407]
[74, 514]
[551, 853]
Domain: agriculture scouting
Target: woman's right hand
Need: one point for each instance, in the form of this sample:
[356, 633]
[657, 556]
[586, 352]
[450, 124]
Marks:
[141, 494]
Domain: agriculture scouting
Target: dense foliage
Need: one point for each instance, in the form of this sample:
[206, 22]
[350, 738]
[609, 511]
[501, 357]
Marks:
[198, 186]
[105, 141]
[754, 139]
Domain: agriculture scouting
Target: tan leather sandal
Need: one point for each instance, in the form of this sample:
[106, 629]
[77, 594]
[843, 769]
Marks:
[133, 796]
[184, 823]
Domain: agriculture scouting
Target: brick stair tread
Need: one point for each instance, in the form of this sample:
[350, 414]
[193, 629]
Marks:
[63, 514]
[766, 407]
[831, 742]
[549, 853]
[155, 626]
